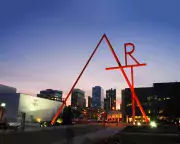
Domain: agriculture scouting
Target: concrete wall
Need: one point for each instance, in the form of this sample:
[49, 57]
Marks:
[38, 108]
[34, 107]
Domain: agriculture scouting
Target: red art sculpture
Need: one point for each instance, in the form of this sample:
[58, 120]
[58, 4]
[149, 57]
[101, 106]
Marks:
[121, 68]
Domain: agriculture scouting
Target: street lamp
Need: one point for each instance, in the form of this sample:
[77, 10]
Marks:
[3, 105]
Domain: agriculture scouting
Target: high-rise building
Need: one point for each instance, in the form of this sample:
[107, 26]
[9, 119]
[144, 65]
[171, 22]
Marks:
[77, 98]
[84, 103]
[97, 97]
[89, 102]
[107, 104]
[51, 94]
[111, 99]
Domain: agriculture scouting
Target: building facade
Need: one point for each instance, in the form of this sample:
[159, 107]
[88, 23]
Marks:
[35, 108]
[167, 97]
[107, 104]
[143, 94]
[114, 116]
[97, 97]
[89, 102]
[7, 89]
[84, 103]
[51, 94]
[110, 100]
[159, 101]
[77, 98]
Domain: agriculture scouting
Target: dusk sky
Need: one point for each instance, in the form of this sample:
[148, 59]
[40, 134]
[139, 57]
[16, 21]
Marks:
[45, 43]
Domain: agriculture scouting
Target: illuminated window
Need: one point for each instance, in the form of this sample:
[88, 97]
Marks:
[129, 104]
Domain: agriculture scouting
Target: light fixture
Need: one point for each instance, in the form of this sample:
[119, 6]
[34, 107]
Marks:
[153, 124]
[139, 124]
[3, 105]
[38, 120]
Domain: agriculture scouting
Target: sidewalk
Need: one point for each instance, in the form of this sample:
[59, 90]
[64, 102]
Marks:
[90, 138]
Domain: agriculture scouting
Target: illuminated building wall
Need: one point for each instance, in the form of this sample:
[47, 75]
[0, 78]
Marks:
[167, 99]
[161, 100]
[143, 95]
[34, 107]
[37, 108]
[114, 116]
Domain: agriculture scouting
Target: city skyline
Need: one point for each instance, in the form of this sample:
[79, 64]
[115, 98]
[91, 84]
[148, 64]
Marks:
[45, 44]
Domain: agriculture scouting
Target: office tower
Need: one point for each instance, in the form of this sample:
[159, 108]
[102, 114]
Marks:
[84, 103]
[166, 99]
[97, 97]
[106, 104]
[89, 102]
[111, 96]
[110, 100]
[77, 98]
[51, 94]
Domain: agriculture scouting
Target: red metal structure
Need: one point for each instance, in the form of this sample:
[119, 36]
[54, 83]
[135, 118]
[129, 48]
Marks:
[121, 68]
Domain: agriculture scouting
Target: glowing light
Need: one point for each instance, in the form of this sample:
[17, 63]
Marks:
[139, 124]
[3, 104]
[38, 120]
[59, 120]
[153, 124]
